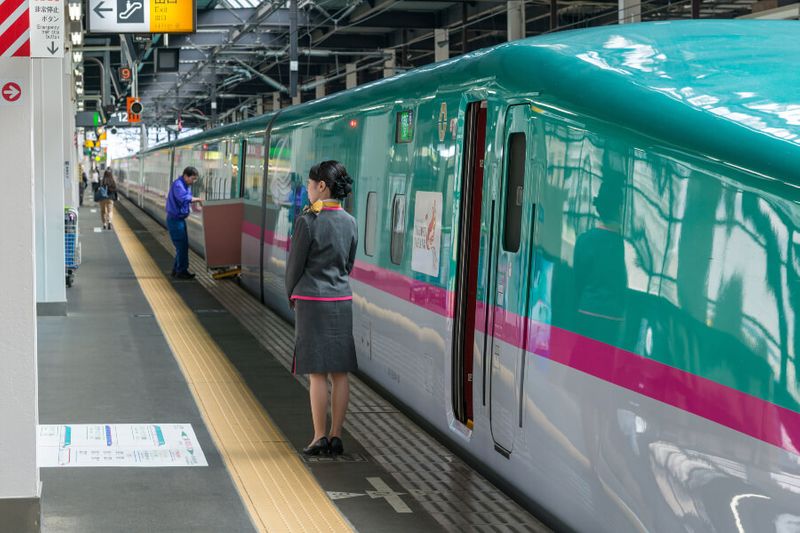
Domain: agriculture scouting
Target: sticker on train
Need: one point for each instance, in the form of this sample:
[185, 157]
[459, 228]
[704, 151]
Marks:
[426, 246]
[442, 121]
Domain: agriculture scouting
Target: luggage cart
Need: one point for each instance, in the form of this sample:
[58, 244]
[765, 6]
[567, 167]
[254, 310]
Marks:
[72, 246]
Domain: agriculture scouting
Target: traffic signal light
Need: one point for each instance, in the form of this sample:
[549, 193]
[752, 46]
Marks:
[134, 108]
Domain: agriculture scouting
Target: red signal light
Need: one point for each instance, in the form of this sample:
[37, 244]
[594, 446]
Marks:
[353, 123]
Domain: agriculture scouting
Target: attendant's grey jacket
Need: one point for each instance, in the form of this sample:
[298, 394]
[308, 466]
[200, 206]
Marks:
[322, 253]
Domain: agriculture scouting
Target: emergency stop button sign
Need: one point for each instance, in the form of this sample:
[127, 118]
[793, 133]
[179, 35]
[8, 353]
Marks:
[10, 93]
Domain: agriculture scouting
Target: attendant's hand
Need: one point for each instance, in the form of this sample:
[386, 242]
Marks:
[197, 201]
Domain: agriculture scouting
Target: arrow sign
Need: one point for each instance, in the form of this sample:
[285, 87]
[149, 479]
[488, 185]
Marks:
[99, 12]
[47, 28]
[11, 92]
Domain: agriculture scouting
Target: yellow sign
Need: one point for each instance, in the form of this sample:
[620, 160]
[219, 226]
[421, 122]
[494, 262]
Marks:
[172, 16]
[141, 16]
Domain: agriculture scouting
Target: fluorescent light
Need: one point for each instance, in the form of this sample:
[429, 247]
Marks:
[76, 37]
[74, 11]
[77, 57]
[79, 89]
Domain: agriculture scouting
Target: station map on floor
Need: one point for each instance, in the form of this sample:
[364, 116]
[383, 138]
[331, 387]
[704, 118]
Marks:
[146, 445]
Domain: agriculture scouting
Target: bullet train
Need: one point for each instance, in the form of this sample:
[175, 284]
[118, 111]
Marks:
[579, 260]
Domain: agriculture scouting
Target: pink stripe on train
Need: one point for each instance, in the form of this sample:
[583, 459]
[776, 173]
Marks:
[318, 299]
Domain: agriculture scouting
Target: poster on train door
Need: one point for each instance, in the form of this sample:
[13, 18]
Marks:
[426, 246]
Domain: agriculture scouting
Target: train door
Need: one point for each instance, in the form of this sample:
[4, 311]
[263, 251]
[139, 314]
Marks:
[512, 276]
[468, 254]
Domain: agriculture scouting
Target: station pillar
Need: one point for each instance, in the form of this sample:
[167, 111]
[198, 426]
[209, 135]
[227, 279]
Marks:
[516, 20]
[352, 75]
[630, 11]
[441, 44]
[320, 88]
[50, 170]
[69, 136]
[20, 488]
[390, 63]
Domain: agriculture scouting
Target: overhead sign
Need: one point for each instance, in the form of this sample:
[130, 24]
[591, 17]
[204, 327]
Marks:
[88, 119]
[47, 28]
[125, 73]
[14, 24]
[11, 92]
[141, 16]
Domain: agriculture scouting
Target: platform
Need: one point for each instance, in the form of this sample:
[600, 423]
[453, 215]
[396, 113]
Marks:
[137, 347]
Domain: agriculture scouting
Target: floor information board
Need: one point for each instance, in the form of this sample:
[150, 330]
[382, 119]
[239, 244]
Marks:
[119, 445]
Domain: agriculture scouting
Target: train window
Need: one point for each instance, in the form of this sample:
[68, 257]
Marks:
[232, 167]
[515, 188]
[371, 224]
[254, 168]
[398, 228]
[404, 131]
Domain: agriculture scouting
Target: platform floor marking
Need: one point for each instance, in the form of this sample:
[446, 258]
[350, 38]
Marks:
[383, 490]
[276, 487]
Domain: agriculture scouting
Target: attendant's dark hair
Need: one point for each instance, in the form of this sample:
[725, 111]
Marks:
[335, 177]
[190, 171]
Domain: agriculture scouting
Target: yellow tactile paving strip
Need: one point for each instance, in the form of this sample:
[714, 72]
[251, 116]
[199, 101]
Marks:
[276, 487]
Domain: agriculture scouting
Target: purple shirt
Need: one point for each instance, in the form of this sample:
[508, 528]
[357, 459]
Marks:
[179, 199]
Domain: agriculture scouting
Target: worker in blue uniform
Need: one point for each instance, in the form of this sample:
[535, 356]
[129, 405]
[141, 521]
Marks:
[179, 202]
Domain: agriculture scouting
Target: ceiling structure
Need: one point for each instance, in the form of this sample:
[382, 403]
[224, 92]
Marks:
[239, 56]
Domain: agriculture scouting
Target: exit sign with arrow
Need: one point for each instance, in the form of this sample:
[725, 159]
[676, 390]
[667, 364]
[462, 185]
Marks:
[141, 16]
[47, 28]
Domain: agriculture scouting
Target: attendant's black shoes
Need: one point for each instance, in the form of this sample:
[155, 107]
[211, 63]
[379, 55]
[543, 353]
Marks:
[321, 446]
[184, 275]
[336, 446]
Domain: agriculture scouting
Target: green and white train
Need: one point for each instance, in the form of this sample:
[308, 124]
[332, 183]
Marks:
[579, 260]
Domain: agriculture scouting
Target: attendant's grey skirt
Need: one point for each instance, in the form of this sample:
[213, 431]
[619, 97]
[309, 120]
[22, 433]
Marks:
[323, 337]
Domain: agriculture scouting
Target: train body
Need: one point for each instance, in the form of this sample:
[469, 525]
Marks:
[578, 260]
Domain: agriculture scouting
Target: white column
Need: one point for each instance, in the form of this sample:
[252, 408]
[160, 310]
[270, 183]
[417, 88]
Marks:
[352, 76]
[630, 11]
[320, 88]
[389, 64]
[48, 173]
[19, 474]
[276, 101]
[441, 44]
[516, 20]
[297, 99]
[71, 174]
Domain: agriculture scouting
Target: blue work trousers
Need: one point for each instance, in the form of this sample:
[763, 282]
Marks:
[180, 238]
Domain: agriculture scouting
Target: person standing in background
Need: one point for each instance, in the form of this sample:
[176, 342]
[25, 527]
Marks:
[95, 179]
[107, 195]
[179, 202]
[83, 182]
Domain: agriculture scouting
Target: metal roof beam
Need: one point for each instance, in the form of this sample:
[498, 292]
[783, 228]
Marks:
[235, 17]
[343, 41]
[399, 19]
[221, 38]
